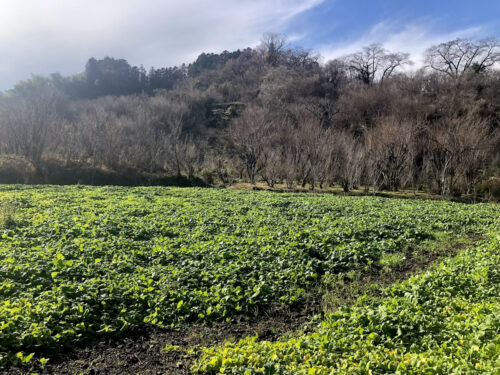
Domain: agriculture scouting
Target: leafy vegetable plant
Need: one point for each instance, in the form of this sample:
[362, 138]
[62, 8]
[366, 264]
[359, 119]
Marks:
[80, 263]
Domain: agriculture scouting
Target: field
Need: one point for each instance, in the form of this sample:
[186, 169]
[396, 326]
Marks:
[443, 322]
[80, 265]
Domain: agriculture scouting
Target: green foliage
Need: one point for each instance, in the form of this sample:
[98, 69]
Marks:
[441, 322]
[391, 260]
[89, 262]
[8, 215]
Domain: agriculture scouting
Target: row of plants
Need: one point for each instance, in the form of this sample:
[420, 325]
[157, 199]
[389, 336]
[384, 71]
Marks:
[82, 263]
[444, 321]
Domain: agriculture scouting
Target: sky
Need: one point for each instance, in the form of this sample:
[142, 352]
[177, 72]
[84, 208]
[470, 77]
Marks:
[46, 36]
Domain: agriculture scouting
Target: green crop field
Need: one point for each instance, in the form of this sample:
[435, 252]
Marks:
[79, 264]
[443, 322]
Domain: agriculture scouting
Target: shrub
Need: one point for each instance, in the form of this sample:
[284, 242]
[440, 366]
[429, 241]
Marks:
[489, 190]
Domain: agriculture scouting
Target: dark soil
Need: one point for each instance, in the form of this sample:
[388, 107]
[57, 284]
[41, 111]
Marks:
[143, 351]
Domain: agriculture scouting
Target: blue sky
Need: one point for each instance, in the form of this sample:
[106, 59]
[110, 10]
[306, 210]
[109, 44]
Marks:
[46, 36]
[335, 26]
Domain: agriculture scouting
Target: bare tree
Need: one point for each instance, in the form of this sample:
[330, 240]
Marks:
[150, 133]
[272, 47]
[347, 160]
[314, 146]
[375, 62]
[175, 142]
[219, 163]
[29, 123]
[388, 148]
[193, 155]
[249, 133]
[461, 55]
[100, 132]
[301, 59]
[304, 147]
[272, 172]
[458, 149]
[392, 61]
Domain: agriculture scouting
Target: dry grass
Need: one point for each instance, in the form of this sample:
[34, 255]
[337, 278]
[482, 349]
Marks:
[336, 190]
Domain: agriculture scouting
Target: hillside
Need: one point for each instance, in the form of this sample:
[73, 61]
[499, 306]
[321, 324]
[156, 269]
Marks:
[272, 114]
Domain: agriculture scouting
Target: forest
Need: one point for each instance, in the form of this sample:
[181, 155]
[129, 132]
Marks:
[274, 114]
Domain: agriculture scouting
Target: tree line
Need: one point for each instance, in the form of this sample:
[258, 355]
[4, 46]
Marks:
[271, 114]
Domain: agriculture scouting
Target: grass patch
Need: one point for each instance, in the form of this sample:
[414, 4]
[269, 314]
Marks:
[8, 215]
[392, 260]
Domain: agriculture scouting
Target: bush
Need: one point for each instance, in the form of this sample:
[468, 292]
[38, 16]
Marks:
[15, 170]
[489, 190]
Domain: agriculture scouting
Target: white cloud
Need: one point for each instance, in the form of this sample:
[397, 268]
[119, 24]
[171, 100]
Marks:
[42, 37]
[413, 38]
